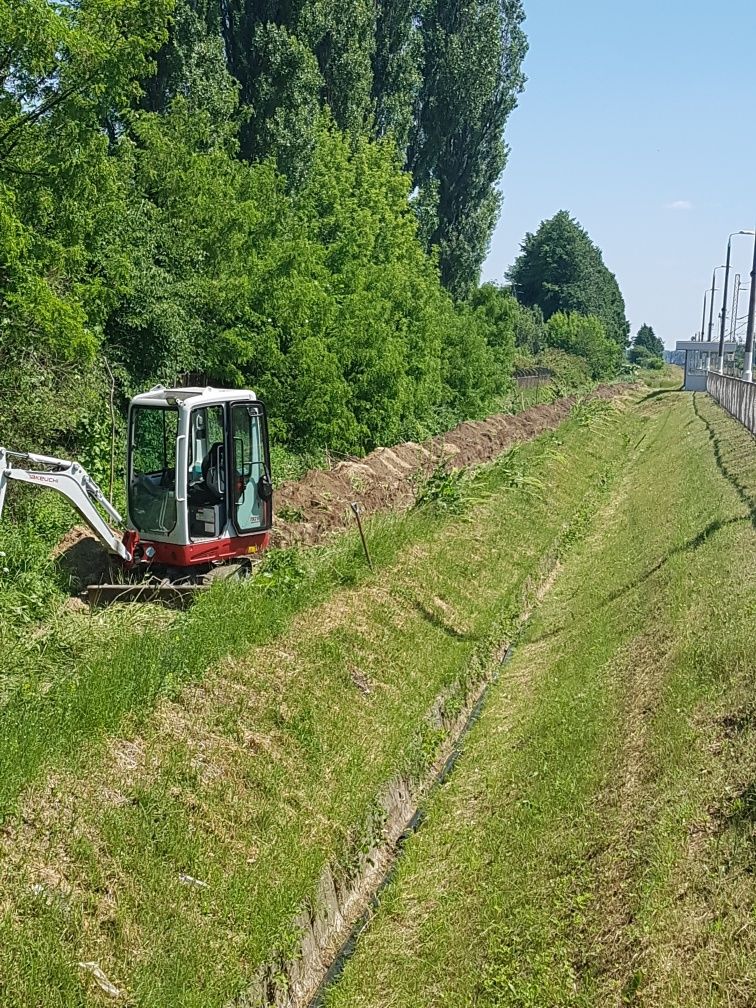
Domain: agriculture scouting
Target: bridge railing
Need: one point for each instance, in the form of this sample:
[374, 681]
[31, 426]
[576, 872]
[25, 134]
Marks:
[736, 395]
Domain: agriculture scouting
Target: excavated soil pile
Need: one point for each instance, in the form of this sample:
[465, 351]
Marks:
[82, 558]
[386, 479]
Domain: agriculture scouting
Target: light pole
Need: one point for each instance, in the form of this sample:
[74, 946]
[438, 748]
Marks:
[748, 362]
[735, 300]
[724, 297]
[711, 303]
[703, 317]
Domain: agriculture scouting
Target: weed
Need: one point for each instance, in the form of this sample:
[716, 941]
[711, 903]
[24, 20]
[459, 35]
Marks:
[446, 490]
[511, 470]
[593, 413]
[290, 514]
[281, 570]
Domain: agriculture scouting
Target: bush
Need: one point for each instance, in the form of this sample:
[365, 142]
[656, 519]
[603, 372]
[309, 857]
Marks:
[585, 336]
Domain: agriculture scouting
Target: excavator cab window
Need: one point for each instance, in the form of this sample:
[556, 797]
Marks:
[250, 469]
[206, 478]
[152, 468]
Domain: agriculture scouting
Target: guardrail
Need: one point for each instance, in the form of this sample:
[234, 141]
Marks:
[737, 396]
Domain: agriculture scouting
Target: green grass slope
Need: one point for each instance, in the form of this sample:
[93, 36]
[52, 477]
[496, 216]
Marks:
[595, 845]
[172, 795]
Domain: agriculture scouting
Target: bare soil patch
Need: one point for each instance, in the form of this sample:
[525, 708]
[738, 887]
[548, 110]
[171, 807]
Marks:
[388, 478]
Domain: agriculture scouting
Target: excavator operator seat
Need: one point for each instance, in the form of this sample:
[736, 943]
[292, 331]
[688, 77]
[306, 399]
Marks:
[213, 472]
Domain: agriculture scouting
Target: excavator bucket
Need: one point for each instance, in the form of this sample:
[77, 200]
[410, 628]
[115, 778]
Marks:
[174, 596]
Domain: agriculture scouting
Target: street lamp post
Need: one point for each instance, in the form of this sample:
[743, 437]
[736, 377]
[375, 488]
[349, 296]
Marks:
[711, 303]
[735, 303]
[723, 319]
[748, 362]
[703, 317]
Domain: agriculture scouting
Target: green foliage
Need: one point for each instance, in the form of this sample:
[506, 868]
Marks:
[445, 490]
[569, 372]
[471, 78]
[593, 413]
[647, 340]
[30, 583]
[281, 570]
[190, 189]
[441, 80]
[290, 60]
[561, 270]
[585, 336]
[397, 71]
[65, 67]
[512, 470]
[642, 357]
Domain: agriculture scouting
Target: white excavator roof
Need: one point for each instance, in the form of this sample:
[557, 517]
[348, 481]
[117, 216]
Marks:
[161, 396]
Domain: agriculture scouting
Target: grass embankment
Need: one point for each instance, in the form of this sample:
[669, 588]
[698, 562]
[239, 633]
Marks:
[668, 377]
[271, 765]
[595, 845]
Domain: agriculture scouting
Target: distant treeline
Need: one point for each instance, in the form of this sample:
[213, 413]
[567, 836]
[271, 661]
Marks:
[296, 198]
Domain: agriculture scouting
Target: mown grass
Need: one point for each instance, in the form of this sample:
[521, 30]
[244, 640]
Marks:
[272, 764]
[79, 675]
[595, 845]
[669, 377]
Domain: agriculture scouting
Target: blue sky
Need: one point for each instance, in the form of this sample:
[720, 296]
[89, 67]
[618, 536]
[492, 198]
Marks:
[640, 119]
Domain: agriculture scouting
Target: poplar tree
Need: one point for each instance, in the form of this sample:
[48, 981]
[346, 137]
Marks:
[471, 77]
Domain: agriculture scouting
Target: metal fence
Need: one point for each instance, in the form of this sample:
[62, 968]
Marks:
[532, 377]
[737, 396]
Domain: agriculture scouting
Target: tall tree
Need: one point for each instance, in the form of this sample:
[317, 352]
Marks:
[472, 75]
[648, 340]
[561, 270]
[192, 65]
[290, 59]
[396, 69]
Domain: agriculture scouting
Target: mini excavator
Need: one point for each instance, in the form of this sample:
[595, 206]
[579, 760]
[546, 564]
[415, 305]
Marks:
[199, 492]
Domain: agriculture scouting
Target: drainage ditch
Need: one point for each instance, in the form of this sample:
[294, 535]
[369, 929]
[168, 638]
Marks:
[345, 901]
[348, 948]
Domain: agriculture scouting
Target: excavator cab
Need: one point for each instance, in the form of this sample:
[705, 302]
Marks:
[198, 474]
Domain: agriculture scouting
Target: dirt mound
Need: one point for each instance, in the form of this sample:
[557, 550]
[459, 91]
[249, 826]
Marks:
[386, 479]
[83, 558]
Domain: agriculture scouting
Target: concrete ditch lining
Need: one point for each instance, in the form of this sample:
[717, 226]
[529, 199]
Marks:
[342, 908]
[412, 826]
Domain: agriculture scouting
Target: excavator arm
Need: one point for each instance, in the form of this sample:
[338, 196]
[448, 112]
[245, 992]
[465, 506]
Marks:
[70, 480]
